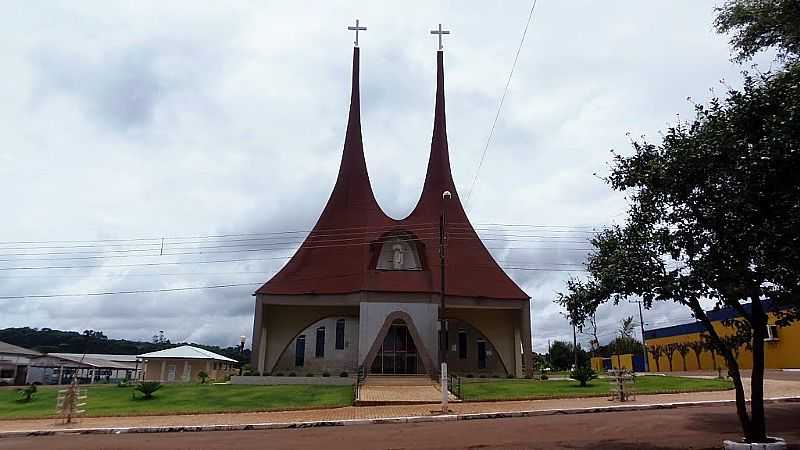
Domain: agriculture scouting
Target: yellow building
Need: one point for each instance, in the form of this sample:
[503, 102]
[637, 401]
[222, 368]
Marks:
[782, 346]
[183, 365]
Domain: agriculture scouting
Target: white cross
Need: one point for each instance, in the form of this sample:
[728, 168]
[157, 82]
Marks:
[440, 32]
[357, 29]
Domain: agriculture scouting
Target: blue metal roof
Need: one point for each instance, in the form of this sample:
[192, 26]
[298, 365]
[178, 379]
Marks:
[715, 315]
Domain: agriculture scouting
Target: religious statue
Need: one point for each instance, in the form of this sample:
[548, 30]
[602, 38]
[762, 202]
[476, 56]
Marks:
[397, 261]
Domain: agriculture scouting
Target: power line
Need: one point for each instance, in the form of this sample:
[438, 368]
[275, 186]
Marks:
[500, 106]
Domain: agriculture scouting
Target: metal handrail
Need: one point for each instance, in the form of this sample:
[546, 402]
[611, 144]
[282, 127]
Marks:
[454, 385]
[360, 376]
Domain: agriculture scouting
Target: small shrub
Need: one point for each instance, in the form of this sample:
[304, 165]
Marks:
[26, 394]
[483, 375]
[124, 383]
[344, 374]
[292, 374]
[583, 375]
[309, 374]
[511, 375]
[495, 376]
[326, 374]
[279, 374]
[543, 377]
[203, 377]
[148, 388]
[469, 375]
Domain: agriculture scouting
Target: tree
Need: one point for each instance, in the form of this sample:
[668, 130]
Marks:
[683, 350]
[714, 206]
[697, 347]
[657, 351]
[562, 356]
[203, 376]
[626, 328]
[760, 24]
[669, 352]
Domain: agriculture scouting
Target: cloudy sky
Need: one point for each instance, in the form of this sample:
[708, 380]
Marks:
[142, 120]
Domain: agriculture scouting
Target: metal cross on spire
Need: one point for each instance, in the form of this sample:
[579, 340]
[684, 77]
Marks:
[357, 29]
[440, 32]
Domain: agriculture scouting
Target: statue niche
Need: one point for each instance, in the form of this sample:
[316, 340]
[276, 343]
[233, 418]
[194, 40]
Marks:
[399, 252]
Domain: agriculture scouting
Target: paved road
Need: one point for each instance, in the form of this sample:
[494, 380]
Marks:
[686, 428]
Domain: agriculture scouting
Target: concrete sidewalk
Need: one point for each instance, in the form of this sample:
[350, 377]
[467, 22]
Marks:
[777, 389]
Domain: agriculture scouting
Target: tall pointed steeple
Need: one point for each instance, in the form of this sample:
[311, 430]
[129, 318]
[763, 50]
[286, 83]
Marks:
[332, 257]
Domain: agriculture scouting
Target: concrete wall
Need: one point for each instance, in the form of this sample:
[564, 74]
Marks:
[334, 361]
[469, 365]
[500, 327]
[269, 380]
[778, 354]
[283, 323]
[424, 318]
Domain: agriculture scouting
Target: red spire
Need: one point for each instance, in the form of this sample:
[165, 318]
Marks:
[322, 264]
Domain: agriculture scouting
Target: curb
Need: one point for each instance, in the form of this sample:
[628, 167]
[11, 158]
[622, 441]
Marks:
[381, 421]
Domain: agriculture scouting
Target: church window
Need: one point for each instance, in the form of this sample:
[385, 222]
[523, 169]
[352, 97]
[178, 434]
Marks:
[340, 334]
[319, 351]
[462, 344]
[481, 354]
[300, 351]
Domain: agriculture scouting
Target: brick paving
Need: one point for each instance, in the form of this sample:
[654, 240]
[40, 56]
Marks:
[773, 388]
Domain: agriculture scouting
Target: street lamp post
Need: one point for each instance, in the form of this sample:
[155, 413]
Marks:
[443, 337]
[241, 353]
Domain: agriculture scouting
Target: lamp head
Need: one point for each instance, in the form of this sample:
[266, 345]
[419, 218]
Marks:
[446, 195]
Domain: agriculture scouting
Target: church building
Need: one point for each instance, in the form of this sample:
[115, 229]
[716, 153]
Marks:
[367, 291]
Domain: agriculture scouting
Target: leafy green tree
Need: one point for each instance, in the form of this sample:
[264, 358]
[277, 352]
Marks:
[761, 24]
[562, 356]
[715, 206]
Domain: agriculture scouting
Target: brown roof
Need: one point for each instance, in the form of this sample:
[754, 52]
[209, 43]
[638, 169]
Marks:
[340, 253]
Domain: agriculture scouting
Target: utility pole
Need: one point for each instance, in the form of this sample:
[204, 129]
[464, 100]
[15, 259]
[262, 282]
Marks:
[641, 324]
[443, 335]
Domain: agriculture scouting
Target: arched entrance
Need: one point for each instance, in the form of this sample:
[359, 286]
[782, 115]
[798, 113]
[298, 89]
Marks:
[398, 353]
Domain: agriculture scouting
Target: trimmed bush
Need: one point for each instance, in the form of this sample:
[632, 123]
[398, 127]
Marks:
[326, 374]
[292, 374]
[309, 374]
[583, 375]
[148, 388]
[203, 377]
[344, 374]
[26, 394]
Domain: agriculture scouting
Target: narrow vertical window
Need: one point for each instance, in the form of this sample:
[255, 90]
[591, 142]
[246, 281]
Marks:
[340, 334]
[320, 344]
[481, 354]
[462, 344]
[300, 351]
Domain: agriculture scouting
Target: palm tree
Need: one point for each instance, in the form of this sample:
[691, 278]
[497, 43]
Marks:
[697, 347]
[683, 350]
[626, 329]
[656, 351]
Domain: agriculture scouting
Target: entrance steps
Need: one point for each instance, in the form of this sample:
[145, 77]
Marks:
[398, 380]
[381, 390]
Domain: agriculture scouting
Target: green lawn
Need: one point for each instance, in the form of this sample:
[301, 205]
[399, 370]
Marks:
[504, 389]
[180, 399]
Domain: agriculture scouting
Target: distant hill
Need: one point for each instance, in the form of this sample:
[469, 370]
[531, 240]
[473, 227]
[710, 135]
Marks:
[46, 340]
